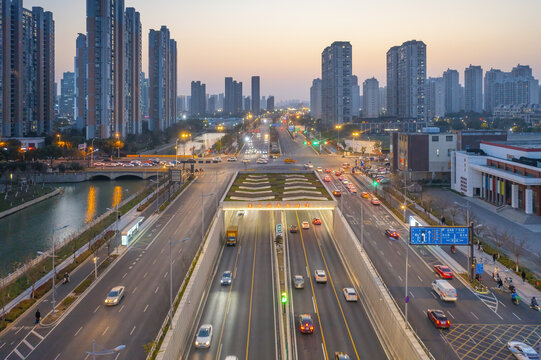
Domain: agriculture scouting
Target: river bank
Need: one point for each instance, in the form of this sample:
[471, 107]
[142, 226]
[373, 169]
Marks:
[28, 203]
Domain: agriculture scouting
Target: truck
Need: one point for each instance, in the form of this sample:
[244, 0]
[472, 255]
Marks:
[290, 161]
[232, 235]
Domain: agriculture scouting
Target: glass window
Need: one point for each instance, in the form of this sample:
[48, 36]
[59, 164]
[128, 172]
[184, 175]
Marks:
[435, 138]
[449, 138]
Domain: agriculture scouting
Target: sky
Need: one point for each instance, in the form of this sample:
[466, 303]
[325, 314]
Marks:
[282, 40]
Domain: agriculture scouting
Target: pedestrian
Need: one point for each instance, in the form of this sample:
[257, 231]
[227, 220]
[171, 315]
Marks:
[523, 276]
[38, 316]
[500, 283]
[494, 258]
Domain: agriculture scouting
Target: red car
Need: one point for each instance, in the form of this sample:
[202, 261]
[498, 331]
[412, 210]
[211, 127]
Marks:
[375, 201]
[306, 326]
[316, 221]
[438, 318]
[327, 178]
[328, 171]
[337, 173]
[392, 234]
[337, 193]
[443, 271]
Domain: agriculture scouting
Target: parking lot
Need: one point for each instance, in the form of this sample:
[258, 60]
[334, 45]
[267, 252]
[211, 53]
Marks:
[489, 341]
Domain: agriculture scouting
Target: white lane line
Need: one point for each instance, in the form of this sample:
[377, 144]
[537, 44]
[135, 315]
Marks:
[174, 261]
[472, 339]
[475, 316]
[314, 304]
[117, 355]
[1, 346]
[105, 331]
[165, 275]
[516, 316]
[133, 263]
[502, 303]
[400, 277]
[57, 356]
[448, 312]
[163, 249]
[146, 307]
[28, 344]
[87, 355]
[134, 290]
[179, 251]
[389, 263]
[16, 332]
[432, 293]
[413, 296]
[123, 276]
[122, 307]
[78, 331]
[155, 291]
[418, 277]
[18, 353]
[144, 276]
[323, 349]
[132, 330]
[35, 334]
[154, 262]
[307, 272]
[96, 309]
[220, 351]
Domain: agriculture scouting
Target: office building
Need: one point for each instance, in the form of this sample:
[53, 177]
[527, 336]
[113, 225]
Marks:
[247, 103]
[435, 98]
[145, 96]
[198, 99]
[162, 70]
[212, 106]
[270, 103]
[356, 98]
[315, 99]
[452, 91]
[237, 96]
[256, 101]
[132, 123]
[406, 76]
[473, 89]
[232, 103]
[81, 93]
[221, 98]
[383, 100]
[371, 98]
[67, 96]
[263, 103]
[336, 71]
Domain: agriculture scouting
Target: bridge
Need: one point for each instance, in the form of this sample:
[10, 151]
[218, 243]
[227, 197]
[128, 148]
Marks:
[117, 173]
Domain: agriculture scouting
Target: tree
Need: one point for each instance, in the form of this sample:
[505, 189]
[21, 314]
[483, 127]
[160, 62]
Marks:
[453, 211]
[377, 147]
[517, 248]
[363, 150]
[499, 238]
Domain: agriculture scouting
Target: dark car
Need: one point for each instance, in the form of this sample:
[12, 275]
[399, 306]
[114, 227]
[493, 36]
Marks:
[306, 326]
[438, 318]
[392, 234]
[293, 229]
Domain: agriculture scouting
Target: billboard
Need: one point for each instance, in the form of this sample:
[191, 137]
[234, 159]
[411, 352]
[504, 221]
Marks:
[439, 235]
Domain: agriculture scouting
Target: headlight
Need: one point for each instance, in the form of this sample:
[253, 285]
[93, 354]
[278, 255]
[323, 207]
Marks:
[196, 343]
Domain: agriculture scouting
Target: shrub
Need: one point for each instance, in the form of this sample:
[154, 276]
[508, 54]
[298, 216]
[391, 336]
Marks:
[18, 310]
[83, 285]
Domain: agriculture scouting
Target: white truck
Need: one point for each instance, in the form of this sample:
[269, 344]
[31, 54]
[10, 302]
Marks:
[445, 290]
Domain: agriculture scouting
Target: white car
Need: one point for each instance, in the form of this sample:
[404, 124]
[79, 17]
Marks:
[232, 158]
[115, 296]
[350, 294]
[522, 351]
[321, 276]
[319, 169]
[204, 336]
[245, 161]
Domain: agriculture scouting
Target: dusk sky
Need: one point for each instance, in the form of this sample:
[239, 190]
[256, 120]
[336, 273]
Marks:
[282, 40]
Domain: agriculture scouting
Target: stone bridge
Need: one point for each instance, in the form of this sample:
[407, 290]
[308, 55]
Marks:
[101, 173]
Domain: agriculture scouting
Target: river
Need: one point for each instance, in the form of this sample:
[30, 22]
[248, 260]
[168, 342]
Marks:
[28, 231]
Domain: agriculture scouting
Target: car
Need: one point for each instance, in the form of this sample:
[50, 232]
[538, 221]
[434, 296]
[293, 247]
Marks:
[375, 201]
[328, 171]
[245, 161]
[365, 195]
[438, 318]
[226, 278]
[293, 229]
[337, 173]
[310, 166]
[341, 177]
[345, 165]
[319, 169]
[392, 233]
[327, 178]
[232, 158]
[321, 276]
[306, 325]
[337, 193]
[350, 294]
[305, 225]
[443, 271]
[352, 189]
[204, 336]
[341, 356]
[115, 296]
[316, 221]
[231, 357]
[346, 182]
[522, 351]
[298, 281]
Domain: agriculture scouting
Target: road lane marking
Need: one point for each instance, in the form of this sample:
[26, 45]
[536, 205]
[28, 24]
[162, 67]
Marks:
[134, 290]
[105, 331]
[323, 349]
[154, 262]
[1, 346]
[77, 333]
[18, 353]
[117, 355]
[123, 276]
[413, 296]
[516, 316]
[165, 275]
[132, 330]
[122, 307]
[313, 304]
[163, 249]
[502, 303]
[146, 307]
[400, 277]
[96, 309]
[144, 276]
[57, 356]
[418, 277]
[28, 344]
[22, 327]
[251, 295]
[475, 316]
[155, 291]
[451, 315]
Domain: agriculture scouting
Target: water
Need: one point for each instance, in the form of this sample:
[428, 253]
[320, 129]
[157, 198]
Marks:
[26, 232]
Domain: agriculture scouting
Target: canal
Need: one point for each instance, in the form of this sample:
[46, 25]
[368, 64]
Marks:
[28, 231]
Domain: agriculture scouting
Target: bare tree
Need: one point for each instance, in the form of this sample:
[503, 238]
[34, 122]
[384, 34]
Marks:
[517, 248]
[499, 238]
[453, 211]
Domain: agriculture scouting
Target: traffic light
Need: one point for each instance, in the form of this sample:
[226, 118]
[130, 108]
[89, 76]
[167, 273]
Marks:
[284, 298]
[325, 142]
[305, 143]
[375, 183]
[315, 143]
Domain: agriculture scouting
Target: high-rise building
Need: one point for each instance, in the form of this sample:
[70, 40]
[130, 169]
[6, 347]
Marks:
[213, 104]
[435, 98]
[452, 91]
[262, 103]
[162, 70]
[406, 76]
[237, 96]
[315, 98]
[336, 74]
[145, 96]
[80, 65]
[27, 70]
[473, 89]
[355, 97]
[371, 98]
[229, 100]
[256, 101]
[133, 66]
[221, 98]
[270, 103]
[67, 95]
[247, 103]
[198, 99]
[517, 87]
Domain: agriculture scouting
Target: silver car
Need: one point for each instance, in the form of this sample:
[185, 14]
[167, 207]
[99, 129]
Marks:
[204, 336]
[226, 278]
[115, 295]
[298, 281]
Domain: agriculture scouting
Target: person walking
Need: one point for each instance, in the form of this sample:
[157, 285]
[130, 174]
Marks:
[500, 283]
[494, 258]
[523, 276]
[38, 316]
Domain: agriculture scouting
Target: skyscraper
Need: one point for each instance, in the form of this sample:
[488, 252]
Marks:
[133, 67]
[256, 109]
[517, 87]
[270, 103]
[247, 103]
[406, 76]
[27, 70]
[355, 96]
[237, 97]
[336, 83]
[371, 98]
[315, 98]
[145, 96]
[162, 70]
[473, 89]
[452, 91]
[67, 95]
[229, 100]
[80, 64]
[198, 99]
[435, 98]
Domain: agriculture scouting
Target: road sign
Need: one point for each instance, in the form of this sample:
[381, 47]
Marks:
[439, 235]
[278, 229]
[479, 268]
[176, 176]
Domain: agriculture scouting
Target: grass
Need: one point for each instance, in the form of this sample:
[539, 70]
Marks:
[34, 192]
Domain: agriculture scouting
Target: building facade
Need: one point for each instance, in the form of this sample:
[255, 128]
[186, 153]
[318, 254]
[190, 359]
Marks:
[256, 98]
[371, 98]
[67, 96]
[336, 71]
[435, 98]
[81, 91]
[315, 98]
[270, 103]
[133, 65]
[233, 97]
[356, 102]
[452, 91]
[473, 89]
[198, 99]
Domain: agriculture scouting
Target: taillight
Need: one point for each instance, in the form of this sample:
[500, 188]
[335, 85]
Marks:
[447, 322]
[302, 327]
[437, 322]
[312, 328]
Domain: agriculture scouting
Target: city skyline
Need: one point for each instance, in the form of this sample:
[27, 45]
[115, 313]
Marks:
[289, 66]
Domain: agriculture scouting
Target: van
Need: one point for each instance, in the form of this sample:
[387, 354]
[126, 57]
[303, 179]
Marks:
[445, 290]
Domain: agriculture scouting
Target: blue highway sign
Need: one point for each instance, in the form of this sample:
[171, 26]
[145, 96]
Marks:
[479, 268]
[439, 235]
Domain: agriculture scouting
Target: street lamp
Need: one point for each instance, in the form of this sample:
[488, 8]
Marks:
[92, 153]
[338, 127]
[104, 352]
[171, 278]
[54, 270]
[355, 135]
